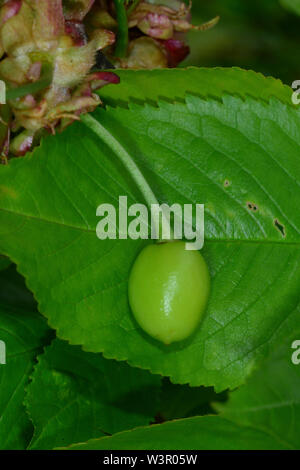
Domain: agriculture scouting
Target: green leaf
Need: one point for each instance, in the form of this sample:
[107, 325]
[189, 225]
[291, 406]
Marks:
[262, 414]
[75, 395]
[198, 433]
[270, 400]
[238, 157]
[23, 333]
[292, 5]
[142, 85]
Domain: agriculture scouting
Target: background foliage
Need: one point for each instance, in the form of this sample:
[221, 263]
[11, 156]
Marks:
[262, 35]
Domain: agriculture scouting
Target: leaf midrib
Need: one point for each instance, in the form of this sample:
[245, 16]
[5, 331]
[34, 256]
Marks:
[207, 240]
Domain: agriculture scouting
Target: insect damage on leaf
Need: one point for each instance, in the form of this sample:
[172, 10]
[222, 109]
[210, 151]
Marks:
[252, 207]
[280, 227]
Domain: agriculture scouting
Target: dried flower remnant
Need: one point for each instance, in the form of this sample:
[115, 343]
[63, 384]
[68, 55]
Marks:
[46, 62]
[166, 23]
[162, 21]
[155, 33]
[49, 52]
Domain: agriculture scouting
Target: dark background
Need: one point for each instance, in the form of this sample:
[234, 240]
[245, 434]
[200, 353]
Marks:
[253, 34]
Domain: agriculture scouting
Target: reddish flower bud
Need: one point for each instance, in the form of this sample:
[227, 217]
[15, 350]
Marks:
[9, 10]
[176, 51]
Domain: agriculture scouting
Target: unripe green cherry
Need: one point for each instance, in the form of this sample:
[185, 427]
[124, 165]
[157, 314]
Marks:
[168, 290]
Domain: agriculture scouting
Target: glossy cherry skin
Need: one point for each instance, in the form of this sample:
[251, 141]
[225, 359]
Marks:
[168, 290]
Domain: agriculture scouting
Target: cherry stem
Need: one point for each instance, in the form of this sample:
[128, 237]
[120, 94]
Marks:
[122, 39]
[130, 165]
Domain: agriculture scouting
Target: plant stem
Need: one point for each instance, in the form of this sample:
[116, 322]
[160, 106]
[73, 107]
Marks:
[132, 7]
[122, 41]
[128, 162]
[30, 88]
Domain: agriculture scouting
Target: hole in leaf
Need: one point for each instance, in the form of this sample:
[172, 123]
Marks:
[279, 227]
[252, 207]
